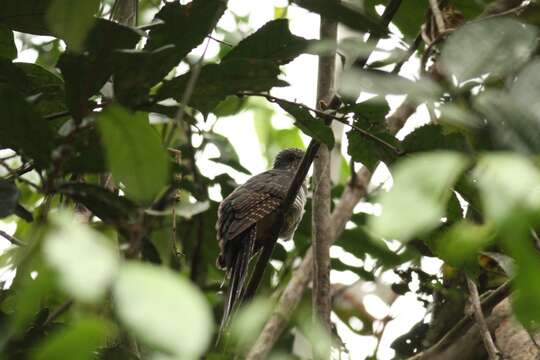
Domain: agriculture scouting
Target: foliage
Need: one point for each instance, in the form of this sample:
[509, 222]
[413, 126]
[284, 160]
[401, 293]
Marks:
[104, 141]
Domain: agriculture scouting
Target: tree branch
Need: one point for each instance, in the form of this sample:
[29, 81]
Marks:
[321, 233]
[493, 352]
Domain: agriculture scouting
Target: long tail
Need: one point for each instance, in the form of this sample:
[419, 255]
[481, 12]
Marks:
[237, 274]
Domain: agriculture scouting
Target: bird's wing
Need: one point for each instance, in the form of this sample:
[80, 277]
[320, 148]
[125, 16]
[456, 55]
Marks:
[248, 204]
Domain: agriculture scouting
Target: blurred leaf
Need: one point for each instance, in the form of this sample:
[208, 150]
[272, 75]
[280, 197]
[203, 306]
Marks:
[373, 110]
[164, 310]
[79, 341]
[185, 27]
[72, 249]
[509, 126]
[504, 262]
[185, 210]
[25, 16]
[525, 91]
[134, 153]
[217, 81]
[311, 126]
[509, 184]
[24, 130]
[353, 82]
[433, 137]
[273, 41]
[106, 205]
[86, 73]
[421, 182]
[230, 106]
[71, 20]
[460, 245]
[248, 322]
[345, 14]
[492, 46]
[9, 195]
[7, 43]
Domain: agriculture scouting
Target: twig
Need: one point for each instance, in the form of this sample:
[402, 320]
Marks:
[323, 115]
[493, 352]
[57, 312]
[219, 41]
[487, 304]
[57, 115]
[434, 4]
[11, 239]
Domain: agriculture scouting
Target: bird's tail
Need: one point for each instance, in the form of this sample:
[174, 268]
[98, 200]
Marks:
[237, 274]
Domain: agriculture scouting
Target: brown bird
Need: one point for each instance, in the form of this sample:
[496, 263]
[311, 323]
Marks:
[245, 219]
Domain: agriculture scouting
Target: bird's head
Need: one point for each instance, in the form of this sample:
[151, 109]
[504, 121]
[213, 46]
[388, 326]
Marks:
[288, 159]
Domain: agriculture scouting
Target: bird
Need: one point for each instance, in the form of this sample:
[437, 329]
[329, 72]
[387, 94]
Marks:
[245, 219]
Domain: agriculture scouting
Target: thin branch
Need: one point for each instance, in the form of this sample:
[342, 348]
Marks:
[439, 20]
[493, 352]
[57, 313]
[11, 239]
[323, 114]
[57, 115]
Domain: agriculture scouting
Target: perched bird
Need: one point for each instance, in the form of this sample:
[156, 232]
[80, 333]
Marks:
[245, 219]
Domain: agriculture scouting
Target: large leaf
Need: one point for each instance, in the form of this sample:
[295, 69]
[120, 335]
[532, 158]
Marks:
[85, 74]
[273, 41]
[164, 310]
[134, 153]
[311, 126]
[417, 200]
[25, 16]
[494, 46]
[71, 20]
[80, 340]
[72, 248]
[22, 129]
[7, 44]
[9, 195]
[509, 184]
[370, 152]
[346, 14]
[525, 91]
[217, 81]
[185, 27]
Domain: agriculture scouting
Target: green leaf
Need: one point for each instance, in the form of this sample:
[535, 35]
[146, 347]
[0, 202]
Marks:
[493, 46]
[311, 126]
[71, 20]
[417, 200]
[509, 184]
[433, 137]
[78, 341]
[353, 82]
[373, 110]
[227, 153]
[7, 44]
[26, 16]
[164, 310]
[86, 73]
[9, 196]
[461, 244]
[216, 82]
[72, 249]
[370, 152]
[247, 324]
[106, 205]
[134, 153]
[273, 41]
[45, 85]
[24, 130]
[345, 14]
[185, 27]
